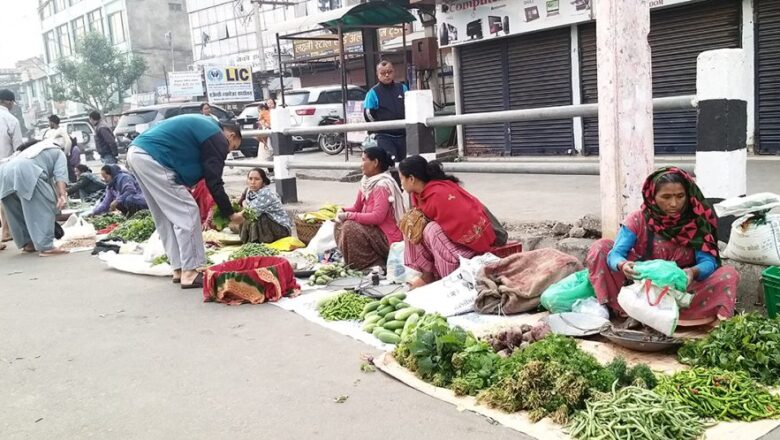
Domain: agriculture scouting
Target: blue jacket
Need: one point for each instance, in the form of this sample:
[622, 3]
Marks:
[123, 189]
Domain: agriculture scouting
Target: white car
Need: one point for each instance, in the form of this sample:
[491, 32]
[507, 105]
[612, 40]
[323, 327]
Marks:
[312, 106]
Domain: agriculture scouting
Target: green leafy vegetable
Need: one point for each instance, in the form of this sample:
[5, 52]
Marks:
[747, 342]
[137, 230]
[162, 259]
[101, 222]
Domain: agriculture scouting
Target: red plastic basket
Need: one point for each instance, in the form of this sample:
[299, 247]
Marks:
[510, 248]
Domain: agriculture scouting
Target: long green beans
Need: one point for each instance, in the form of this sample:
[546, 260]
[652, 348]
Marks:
[720, 394]
[343, 307]
[635, 413]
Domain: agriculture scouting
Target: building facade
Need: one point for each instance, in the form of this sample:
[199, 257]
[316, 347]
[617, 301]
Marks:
[156, 30]
[543, 53]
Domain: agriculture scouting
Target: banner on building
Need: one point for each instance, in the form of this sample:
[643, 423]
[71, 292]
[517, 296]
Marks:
[353, 42]
[471, 21]
[229, 84]
[185, 84]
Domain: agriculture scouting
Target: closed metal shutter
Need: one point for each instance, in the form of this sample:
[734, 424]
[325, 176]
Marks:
[677, 36]
[526, 71]
[540, 76]
[768, 81]
[482, 87]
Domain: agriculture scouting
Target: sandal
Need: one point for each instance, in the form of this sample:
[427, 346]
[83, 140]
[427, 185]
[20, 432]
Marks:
[197, 283]
[29, 248]
[2, 247]
[53, 252]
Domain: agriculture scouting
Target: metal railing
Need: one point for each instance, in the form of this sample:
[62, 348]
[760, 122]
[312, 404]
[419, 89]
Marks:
[686, 102]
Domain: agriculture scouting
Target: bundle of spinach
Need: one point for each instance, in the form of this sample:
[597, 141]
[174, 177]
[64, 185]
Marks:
[428, 349]
[101, 222]
[144, 213]
[475, 369]
[137, 230]
[221, 222]
[747, 342]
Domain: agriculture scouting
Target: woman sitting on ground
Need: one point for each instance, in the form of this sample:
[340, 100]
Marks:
[272, 223]
[675, 224]
[365, 231]
[448, 222]
[122, 193]
[88, 186]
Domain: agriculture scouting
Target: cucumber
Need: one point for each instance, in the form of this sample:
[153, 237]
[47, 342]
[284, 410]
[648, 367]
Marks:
[377, 330]
[369, 327]
[372, 319]
[394, 325]
[390, 315]
[399, 295]
[370, 307]
[398, 332]
[394, 302]
[370, 314]
[388, 337]
[381, 322]
[404, 314]
[411, 322]
[385, 310]
[401, 305]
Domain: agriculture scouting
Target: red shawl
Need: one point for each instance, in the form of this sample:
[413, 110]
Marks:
[203, 198]
[460, 215]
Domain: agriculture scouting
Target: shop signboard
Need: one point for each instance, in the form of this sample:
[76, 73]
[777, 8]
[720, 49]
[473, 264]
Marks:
[229, 84]
[471, 21]
[353, 42]
[185, 84]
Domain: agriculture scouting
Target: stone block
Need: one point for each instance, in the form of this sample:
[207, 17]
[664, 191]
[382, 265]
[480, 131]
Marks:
[577, 247]
[591, 224]
[577, 232]
[560, 229]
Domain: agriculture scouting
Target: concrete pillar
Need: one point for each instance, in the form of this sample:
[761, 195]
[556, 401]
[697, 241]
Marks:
[284, 149]
[419, 137]
[456, 90]
[722, 88]
[576, 87]
[748, 41]
[625, 107]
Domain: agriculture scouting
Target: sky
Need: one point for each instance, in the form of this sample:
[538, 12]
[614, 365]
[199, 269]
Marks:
[20, 35]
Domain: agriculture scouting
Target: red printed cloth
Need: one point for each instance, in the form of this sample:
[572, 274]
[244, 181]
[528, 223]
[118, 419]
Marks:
[251, 280]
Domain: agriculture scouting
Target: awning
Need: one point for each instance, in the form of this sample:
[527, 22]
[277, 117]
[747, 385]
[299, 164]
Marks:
[375, 13]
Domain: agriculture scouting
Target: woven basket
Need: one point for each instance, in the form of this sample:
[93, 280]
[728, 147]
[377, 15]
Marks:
[306, 231]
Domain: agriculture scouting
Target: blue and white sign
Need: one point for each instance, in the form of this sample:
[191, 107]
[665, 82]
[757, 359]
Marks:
[229, 84]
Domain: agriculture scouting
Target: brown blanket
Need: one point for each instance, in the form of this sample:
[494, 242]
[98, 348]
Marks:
[514, 284]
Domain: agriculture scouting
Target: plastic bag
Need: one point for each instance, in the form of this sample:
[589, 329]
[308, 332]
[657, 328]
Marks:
[755, 239]
[739, 206]
[663, 274]
[590, 306]
[396, 271]
[651, 305]
[324, 240]
[76, 228]
[153, 248]
[560, 297]
[287, 244]
[455, 293]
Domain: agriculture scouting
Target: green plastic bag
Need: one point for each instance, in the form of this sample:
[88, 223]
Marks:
[663, 274]
[559, 297]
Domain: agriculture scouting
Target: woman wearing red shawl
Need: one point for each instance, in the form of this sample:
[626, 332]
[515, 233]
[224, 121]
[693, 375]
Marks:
[675, 224]
[458, 224]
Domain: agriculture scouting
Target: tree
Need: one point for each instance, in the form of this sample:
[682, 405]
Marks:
[97, 74]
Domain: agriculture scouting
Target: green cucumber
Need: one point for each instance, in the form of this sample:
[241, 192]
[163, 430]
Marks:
[385, 310]
[390, 315]
[370, 307]
[372, 319]
[404, 314]
[401, 305]
[377, 330]
[399, 295]
[394, 302]
[394, 325]
[381, 322]
[398, 331]
[388, 337]
[409, 324]
[369, 327]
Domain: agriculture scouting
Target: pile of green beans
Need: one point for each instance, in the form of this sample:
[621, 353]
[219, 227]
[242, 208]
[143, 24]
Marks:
[721, 394]
[635, 413]
[343, 307]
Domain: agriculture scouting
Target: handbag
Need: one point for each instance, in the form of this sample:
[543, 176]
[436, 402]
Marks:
[412, 225]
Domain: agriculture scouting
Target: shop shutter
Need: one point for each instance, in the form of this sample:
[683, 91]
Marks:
[483, 83]
[677, 36]
[539, 73]
[768, 80]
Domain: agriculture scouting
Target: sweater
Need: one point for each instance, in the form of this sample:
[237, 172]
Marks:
[376, 211]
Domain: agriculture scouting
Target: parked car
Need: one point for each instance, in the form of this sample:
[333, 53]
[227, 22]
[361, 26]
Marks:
[310, 106]
[142, 118]
[78, 128]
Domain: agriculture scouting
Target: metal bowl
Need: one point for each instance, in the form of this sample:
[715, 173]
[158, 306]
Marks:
[640, 341]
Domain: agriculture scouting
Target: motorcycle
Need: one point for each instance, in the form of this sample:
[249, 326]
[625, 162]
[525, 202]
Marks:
[331, 143]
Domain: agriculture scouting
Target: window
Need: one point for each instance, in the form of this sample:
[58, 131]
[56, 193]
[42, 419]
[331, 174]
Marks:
[64, 39]
[47, 10]
[52, 49]
[175, 7]
[95, 21]
[73, 2]
[79, 29]
[356, 95]
[116, 25]
[60, 5]
[327, 5]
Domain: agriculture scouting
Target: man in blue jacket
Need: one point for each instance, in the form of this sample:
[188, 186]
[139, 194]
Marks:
[168, 159]
[385, 102]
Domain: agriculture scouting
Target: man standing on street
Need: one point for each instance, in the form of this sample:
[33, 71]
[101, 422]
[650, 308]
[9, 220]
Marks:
[10, 139]
[167, 160]
[105, 143]
[58, 134]
[385, 102]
